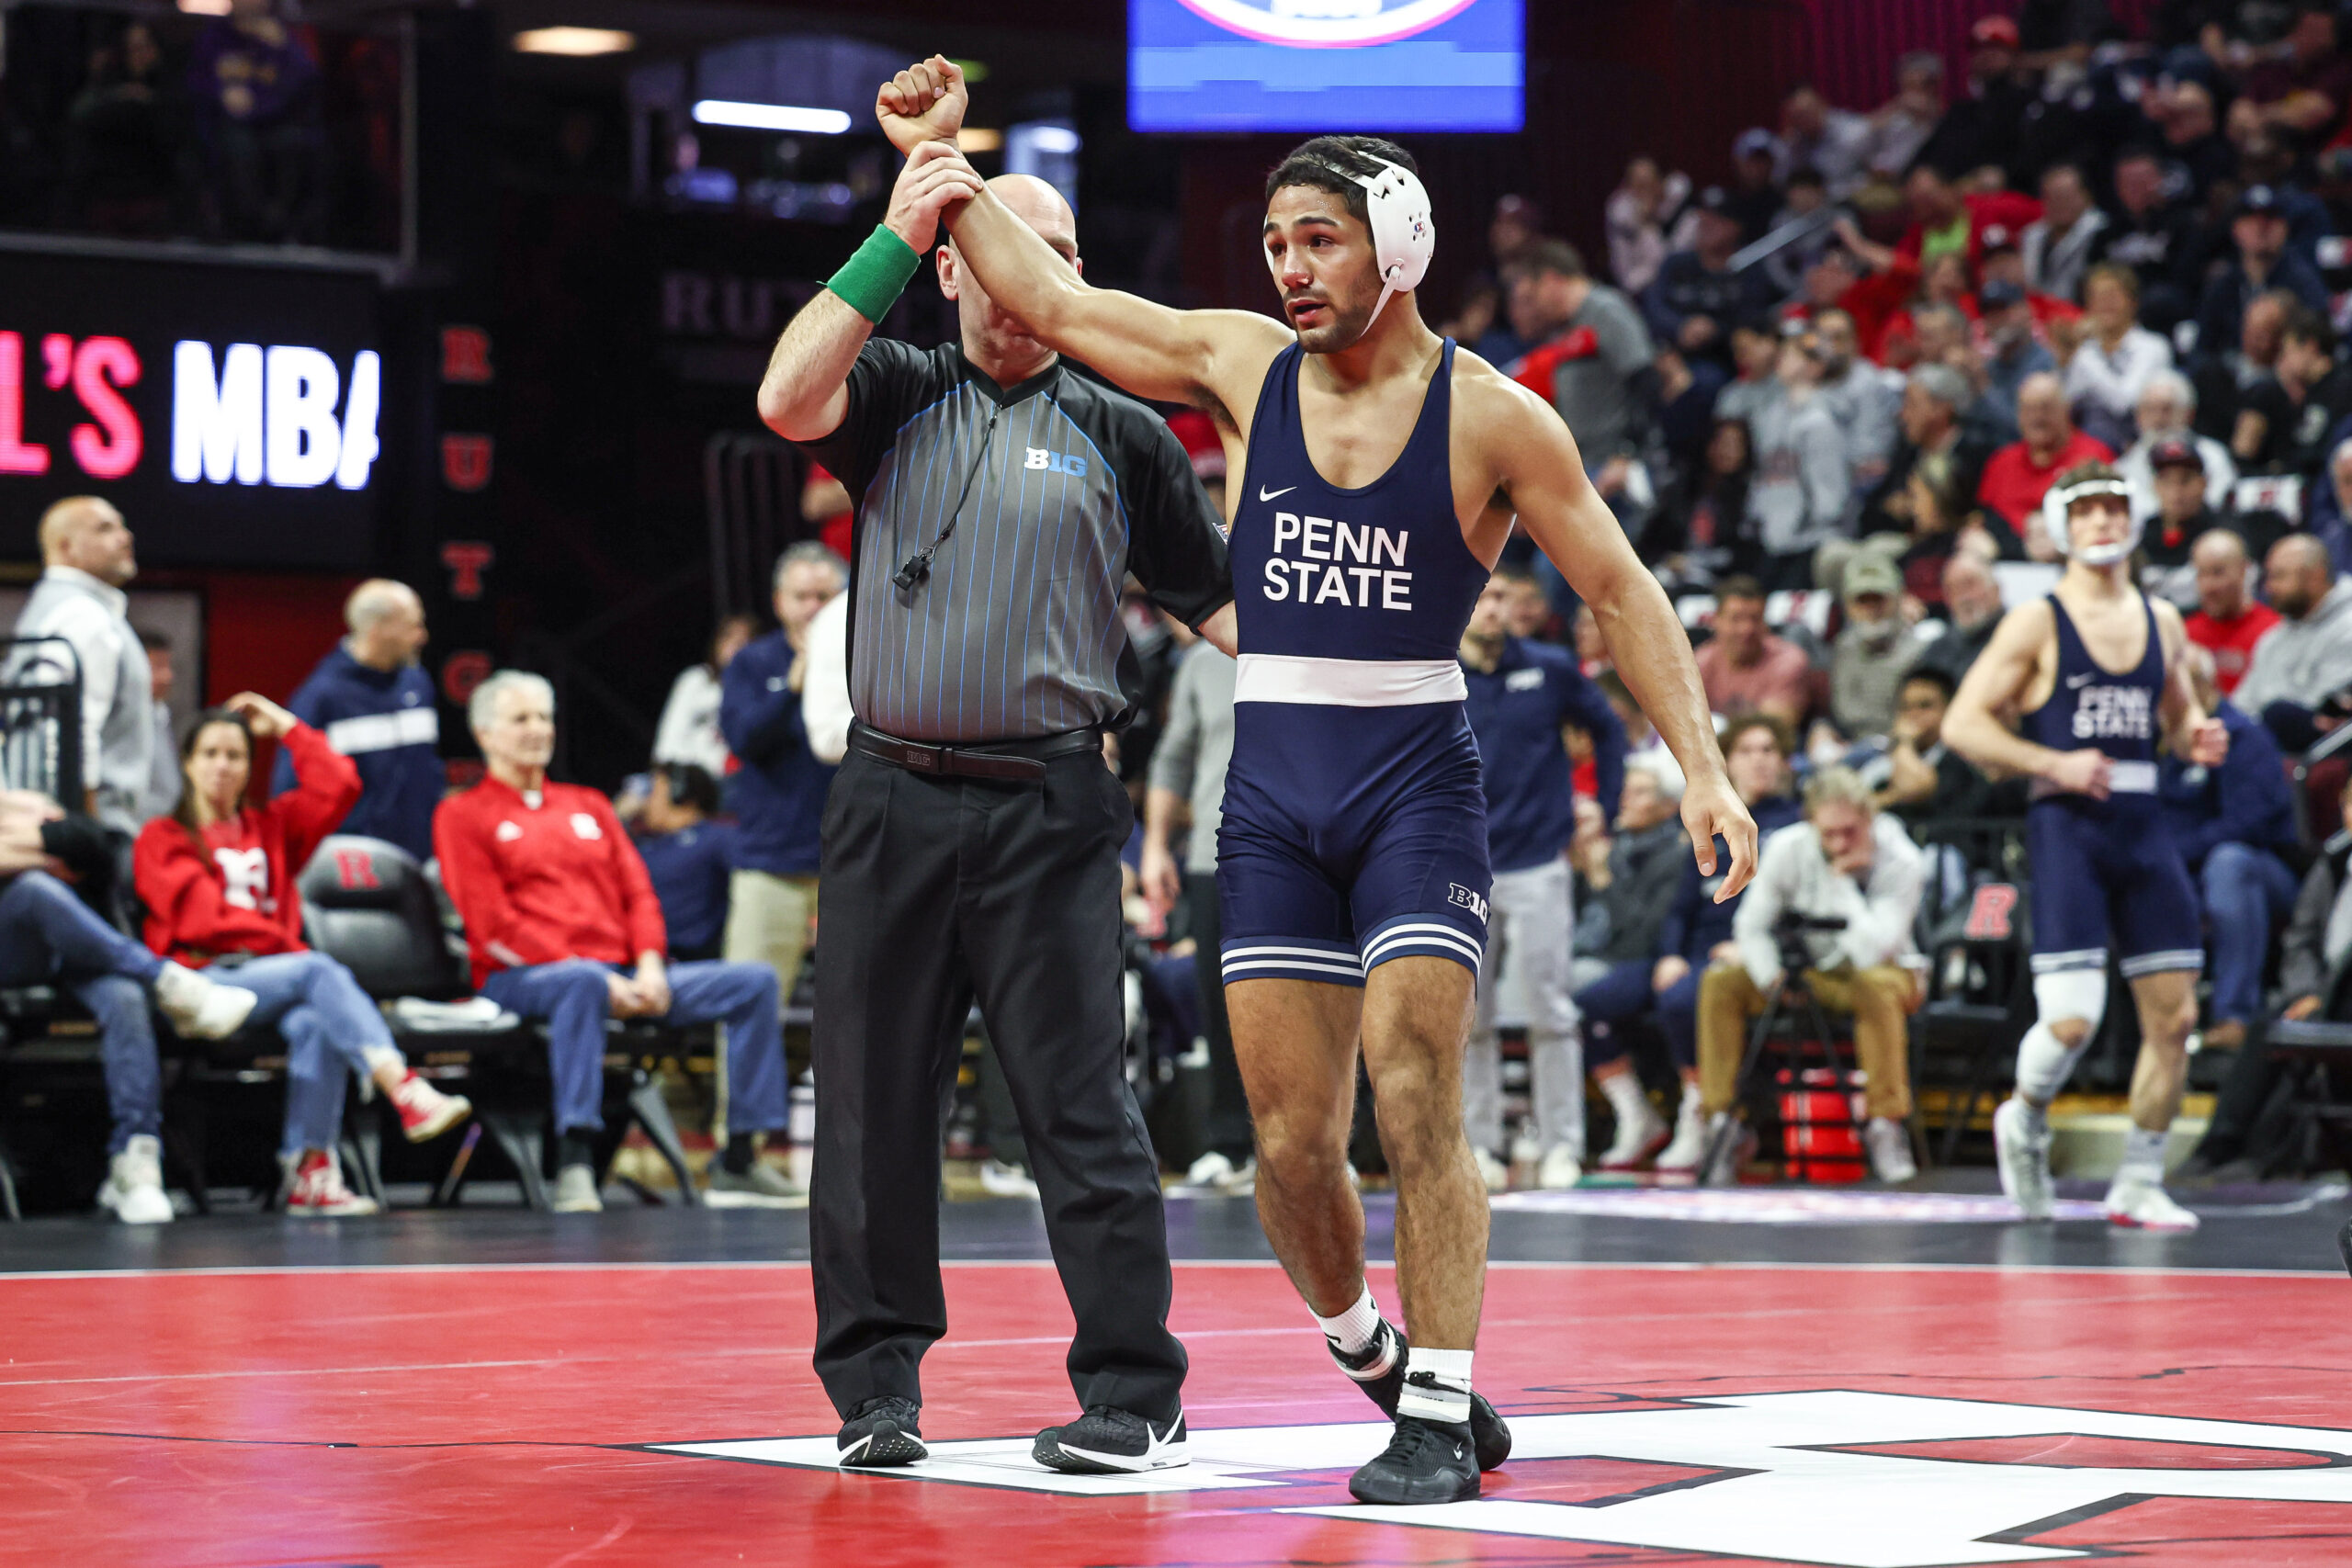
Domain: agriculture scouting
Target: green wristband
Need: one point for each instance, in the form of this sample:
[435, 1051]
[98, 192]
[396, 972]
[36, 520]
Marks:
[871, 281]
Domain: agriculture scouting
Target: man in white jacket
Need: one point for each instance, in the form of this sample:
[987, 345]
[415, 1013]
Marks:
[86, 554]
[1848, 861]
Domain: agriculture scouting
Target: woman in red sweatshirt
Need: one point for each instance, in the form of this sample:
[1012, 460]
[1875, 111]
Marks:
[217, 879]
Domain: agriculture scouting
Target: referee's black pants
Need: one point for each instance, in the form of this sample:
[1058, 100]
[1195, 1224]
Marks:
[937, 891]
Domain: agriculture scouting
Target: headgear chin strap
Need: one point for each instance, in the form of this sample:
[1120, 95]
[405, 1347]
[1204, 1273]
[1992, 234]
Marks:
[1404, 237]
[2058, 505]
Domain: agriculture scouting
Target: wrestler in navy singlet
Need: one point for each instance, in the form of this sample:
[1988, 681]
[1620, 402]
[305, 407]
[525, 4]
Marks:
[2106, 875]
[1354, 827]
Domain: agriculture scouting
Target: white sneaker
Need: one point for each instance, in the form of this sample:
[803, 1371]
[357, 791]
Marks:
[575, 1191]
[2024, 1160]
[199, 1006]
[1689, 1146]
[1889, 1145]
[318, 1189]
[998, 1179]
[2144, 1205]
[1560, 1170]
[1641, 1132]
[1243, 1182]
[1492, 1171]
[133, 1189]
[1211, 1170]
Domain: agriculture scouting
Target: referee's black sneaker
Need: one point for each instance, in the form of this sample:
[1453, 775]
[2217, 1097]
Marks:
[1425, 1461]
[1379, 1371]
[1108, 1440]
[881, 1434]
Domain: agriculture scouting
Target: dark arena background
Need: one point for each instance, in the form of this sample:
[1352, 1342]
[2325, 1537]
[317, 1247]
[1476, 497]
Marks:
[328, 297]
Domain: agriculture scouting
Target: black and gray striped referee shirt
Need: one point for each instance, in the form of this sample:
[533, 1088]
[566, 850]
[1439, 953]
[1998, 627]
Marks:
[1058, 487]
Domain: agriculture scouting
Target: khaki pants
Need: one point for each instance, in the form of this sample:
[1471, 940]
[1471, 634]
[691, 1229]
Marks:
[768, 921]
[1878, 999]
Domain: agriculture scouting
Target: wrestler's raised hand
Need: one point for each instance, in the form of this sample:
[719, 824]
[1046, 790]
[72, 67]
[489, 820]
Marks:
[922, 103]
[1709, 805]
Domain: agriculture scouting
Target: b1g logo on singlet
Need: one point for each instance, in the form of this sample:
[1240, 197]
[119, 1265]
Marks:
[2112, 713]
[1338, 564]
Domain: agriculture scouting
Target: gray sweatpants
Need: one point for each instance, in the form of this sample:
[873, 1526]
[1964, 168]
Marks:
[1530, 920]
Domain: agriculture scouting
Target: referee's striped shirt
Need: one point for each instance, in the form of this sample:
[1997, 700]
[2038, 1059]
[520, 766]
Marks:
[1058, 488]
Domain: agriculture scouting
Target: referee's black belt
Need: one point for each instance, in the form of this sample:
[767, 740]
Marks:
[981, 760]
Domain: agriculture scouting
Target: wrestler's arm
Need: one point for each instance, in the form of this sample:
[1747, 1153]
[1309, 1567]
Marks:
[2189, 732]
[1211, 360]
[1201, 358]
[1539, 474]
[1997, 683]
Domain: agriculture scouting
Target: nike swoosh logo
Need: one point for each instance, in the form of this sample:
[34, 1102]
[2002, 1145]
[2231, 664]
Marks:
[2076, 683]
[1265, 494]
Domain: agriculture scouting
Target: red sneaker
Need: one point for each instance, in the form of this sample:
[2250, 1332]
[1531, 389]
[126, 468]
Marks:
[318, 1189]
[425, 1111]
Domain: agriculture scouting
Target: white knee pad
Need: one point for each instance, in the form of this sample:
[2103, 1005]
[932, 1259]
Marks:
[2045, 1062]
[2071, 993]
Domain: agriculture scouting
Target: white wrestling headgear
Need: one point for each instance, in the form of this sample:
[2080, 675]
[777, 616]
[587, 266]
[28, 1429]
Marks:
[1404, 236]
[2056, 521]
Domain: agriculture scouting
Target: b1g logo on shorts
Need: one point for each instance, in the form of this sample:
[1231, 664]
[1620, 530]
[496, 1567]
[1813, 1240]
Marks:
[1326, 23]
[1461, 896]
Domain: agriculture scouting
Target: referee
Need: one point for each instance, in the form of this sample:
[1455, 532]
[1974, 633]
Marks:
[972, 835]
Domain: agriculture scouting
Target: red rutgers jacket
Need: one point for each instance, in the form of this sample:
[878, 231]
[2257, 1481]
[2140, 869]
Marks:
[540, 881]
[236, 894]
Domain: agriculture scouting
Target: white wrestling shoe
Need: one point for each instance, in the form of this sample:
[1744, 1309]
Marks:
[2144, 1205]
[199, 1006]
[2024, 1160]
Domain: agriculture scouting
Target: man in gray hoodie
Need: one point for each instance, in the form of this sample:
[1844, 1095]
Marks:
[1799, 495]
[2306, 659]
[86, 553]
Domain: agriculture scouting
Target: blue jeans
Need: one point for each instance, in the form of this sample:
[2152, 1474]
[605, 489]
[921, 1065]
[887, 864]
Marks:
[329, 1023]
[2246, 891]
[1678, 1018]
[575, 999]
[47, 934]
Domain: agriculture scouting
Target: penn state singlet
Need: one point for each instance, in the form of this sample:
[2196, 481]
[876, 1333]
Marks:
[1354, 826]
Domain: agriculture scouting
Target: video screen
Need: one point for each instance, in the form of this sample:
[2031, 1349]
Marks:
[232, 413]
[1313, 65]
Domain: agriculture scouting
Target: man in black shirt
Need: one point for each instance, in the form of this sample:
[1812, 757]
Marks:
[972, 835]
[2283, 423]
[2183, 515]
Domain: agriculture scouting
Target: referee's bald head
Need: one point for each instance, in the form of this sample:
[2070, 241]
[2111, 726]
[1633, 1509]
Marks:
[995, 342]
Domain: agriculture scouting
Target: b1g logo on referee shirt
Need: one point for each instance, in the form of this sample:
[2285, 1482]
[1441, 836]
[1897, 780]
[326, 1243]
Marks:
[1055, 463]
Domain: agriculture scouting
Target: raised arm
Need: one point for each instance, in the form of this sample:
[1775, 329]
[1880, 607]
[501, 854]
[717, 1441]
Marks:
[805, 394]
[1203, 358]
[1540, 476]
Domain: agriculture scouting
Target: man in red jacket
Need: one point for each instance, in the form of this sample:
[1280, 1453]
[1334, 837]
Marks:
[564, 926]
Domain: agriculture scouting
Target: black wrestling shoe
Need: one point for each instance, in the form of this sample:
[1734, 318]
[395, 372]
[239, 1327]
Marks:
[880, 1434]
[1426, 1462]
[1108, 1440]
[1379, 1371]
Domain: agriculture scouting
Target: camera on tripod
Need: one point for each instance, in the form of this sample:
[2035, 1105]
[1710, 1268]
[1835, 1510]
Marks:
[1788, 932]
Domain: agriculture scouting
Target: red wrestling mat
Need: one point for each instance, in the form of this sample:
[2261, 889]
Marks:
[462, 1416]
